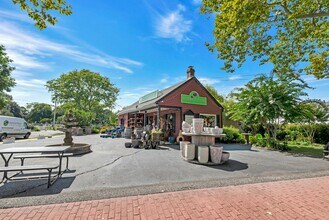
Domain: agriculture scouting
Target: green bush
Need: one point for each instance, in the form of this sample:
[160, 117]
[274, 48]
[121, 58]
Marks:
[321, 134]
[281, 135]
[45, 120]
[261, 141]
[95, 130]
[295, 132]
[233, 135]
[35, 128]
[103, 129]
[277, 145]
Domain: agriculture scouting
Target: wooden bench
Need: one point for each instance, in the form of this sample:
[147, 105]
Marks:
[23, 157]
[49, 168]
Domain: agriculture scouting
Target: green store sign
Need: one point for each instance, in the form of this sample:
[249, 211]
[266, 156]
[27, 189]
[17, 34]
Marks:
[193, 98]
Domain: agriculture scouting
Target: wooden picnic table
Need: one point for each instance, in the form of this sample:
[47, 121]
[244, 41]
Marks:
[22, 150]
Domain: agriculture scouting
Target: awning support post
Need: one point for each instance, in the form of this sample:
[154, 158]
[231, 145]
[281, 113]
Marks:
[144, 121]
[158, 117]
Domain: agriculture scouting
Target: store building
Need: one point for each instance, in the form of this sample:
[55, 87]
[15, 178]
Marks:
[168, 108]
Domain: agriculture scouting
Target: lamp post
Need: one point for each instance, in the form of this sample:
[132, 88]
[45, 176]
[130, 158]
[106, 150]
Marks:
[54, 119]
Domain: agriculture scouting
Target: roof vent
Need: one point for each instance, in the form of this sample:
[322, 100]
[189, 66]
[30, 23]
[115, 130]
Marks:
[190, 72]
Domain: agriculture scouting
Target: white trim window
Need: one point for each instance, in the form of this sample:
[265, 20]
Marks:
[209, 120]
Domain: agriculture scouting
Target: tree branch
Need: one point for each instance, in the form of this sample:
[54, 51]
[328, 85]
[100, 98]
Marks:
[314, 15]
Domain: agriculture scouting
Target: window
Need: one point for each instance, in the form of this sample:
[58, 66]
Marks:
[168, 122]
[189, 118]
[209, 120]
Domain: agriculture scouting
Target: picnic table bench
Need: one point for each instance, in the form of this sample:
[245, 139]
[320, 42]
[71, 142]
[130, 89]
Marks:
[49, 168]
[59, 151]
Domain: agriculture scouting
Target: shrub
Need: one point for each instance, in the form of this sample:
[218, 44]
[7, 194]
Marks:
[295, 132]
[281, 135]
[277, 145]
[45, 120]
[233, 135]
[35, 128]
[321, 134]
[95, 130]
[103, 129]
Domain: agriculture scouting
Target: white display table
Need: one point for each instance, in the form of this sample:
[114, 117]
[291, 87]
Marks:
[203, 138]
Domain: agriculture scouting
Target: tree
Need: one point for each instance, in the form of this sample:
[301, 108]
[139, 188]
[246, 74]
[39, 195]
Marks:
[38, 111]
[39, 10]
[83, 90]
[227, 103]
[212, 90]
[16, 110]
[290, 34]
[267, 100]
[312, 112]
[6, 81]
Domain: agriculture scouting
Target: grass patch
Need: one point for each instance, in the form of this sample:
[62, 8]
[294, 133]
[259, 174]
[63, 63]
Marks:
[314, 150]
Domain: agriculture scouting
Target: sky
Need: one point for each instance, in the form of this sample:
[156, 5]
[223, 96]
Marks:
[141, 46]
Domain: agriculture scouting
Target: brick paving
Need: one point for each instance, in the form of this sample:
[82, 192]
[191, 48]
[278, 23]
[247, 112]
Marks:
[293, 199]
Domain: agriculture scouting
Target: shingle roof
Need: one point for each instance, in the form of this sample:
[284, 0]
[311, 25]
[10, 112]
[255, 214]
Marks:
[136, 106]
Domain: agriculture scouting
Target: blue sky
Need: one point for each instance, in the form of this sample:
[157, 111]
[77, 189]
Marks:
[140, 45]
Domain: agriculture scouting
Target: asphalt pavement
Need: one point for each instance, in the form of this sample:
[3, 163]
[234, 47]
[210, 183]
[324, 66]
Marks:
[112, 170]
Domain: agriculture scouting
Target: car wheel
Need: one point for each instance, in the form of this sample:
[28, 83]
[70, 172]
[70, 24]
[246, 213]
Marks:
[27, 135]
[3, 136]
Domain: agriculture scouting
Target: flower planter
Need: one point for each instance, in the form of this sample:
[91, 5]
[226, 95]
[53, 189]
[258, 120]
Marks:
[216, 154]
[203, 154]
[197, 125]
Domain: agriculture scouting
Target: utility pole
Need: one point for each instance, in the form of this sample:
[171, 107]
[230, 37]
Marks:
[54, 119]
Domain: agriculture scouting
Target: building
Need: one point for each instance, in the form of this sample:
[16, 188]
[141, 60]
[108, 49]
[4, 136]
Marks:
[168, 108]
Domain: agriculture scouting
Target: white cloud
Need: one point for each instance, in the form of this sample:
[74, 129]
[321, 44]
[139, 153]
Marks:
[29, 50]
[32, 83]
[197, 2]
[208, 81]
[30, 90]
[165, 79]
[174, 25]
[234, 77]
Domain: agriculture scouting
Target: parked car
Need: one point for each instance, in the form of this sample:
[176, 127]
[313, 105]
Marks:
[13, 127]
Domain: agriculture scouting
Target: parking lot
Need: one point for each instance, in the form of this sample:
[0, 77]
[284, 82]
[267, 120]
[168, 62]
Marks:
[112, 170]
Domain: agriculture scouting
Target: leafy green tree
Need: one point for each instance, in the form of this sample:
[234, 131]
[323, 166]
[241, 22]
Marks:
[267, 100]
[227, 103]
[85, 91]
[290, 34]
[38, 111]
[312, 112]
[6, 81]
[40, 10]
[213, 91]
[16, 110]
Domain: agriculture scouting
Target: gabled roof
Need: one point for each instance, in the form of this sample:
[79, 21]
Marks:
[136, 106]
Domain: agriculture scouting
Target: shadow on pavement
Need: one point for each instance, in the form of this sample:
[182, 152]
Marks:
[231, 166]
[173, 146]
[34, 187]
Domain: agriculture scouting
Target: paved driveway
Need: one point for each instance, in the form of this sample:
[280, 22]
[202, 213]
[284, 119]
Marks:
[112, 170]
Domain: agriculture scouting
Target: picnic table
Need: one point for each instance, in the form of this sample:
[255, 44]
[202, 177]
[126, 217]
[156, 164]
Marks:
[27, 150]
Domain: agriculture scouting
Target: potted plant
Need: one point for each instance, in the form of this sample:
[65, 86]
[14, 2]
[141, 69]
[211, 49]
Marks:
[171, 137]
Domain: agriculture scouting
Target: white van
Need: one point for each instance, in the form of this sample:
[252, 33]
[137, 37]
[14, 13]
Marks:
[13, 127]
